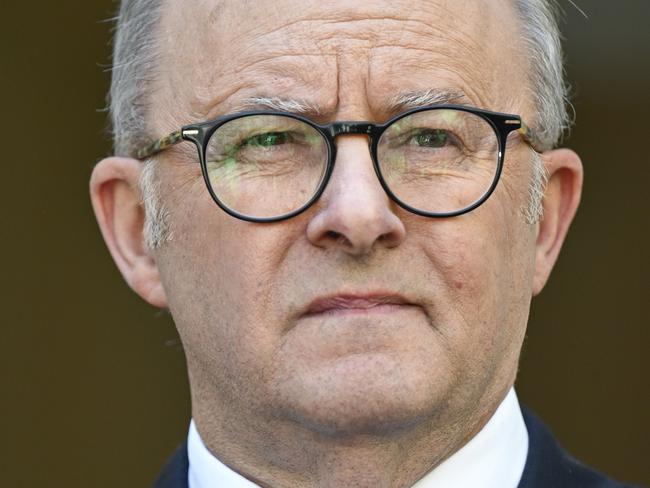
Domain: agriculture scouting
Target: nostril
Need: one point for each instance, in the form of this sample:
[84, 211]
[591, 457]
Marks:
[333, 235]
[337, 238]
[390, 239]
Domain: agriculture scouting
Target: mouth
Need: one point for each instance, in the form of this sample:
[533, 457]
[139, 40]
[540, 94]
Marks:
[363, 304]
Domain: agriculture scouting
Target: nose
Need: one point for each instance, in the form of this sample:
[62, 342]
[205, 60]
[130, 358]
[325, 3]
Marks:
[355, 213]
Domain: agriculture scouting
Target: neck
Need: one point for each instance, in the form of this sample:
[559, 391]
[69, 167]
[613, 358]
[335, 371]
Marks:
[280, 452]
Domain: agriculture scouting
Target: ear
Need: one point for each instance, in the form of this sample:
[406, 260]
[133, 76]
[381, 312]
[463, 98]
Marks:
[561, 200]
[117, 202]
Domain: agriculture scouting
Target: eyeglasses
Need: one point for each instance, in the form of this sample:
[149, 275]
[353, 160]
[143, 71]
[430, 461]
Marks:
[267, 166]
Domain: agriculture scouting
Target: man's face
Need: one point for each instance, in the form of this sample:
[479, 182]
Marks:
[355, 316]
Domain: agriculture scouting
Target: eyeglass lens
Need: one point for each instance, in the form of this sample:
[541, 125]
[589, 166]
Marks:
[437, 161]
[265, 166]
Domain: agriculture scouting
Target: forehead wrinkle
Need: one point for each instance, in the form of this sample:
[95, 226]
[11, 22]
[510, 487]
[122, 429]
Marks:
[342, 14]
[341, 19]
[440, 57]
[331, 31]
[433, 72]
[284, 76]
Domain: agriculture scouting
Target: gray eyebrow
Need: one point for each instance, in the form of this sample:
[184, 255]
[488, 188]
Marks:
[399, 103]
[416, 99]
[290, 105]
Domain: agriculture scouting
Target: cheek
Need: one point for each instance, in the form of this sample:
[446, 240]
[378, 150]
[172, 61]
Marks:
[464, 259]
[481, 271]
[218, 273]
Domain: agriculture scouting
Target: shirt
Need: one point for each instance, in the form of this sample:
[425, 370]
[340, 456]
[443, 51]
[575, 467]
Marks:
[493, 458]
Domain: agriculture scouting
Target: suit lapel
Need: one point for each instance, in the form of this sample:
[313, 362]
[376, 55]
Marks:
[550, 466]
[175, 472]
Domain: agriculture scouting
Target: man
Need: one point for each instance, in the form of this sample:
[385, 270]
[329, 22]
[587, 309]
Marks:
[347, 208]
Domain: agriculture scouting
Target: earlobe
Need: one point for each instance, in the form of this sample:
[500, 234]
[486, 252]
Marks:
[117, 202]
[561, 200]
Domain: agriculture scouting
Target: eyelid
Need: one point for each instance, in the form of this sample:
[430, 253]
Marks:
[417, 130]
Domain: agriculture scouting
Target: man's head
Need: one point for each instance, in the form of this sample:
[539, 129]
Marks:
[274, 318]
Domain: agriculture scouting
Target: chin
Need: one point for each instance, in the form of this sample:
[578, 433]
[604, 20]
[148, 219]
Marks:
[362, 394]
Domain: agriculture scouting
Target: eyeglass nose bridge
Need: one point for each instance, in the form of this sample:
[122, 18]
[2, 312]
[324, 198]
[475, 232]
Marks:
[351, 127]
[345, 127]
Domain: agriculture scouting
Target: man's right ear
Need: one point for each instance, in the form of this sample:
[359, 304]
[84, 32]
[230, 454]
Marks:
[117, 201]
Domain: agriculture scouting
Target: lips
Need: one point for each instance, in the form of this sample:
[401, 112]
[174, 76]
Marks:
[359, 303]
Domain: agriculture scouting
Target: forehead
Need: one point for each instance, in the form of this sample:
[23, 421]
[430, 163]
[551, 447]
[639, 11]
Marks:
[336, 55]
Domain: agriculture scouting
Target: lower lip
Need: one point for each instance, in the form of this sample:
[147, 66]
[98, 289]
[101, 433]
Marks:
[383, 309]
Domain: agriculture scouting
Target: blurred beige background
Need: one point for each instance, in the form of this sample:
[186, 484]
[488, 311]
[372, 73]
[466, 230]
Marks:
[93, 380]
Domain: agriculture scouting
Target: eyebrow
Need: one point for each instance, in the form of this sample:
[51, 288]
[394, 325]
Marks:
[398, 103]
[291, 105]
[416, 99]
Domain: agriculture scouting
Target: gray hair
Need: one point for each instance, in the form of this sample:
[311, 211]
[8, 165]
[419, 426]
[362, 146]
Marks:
[546, 82]
[136, 54]
[157, 229]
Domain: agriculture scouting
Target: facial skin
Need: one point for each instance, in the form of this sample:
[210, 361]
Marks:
[354, 396]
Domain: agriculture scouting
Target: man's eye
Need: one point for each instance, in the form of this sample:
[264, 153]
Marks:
[267, 139]
[430, 138]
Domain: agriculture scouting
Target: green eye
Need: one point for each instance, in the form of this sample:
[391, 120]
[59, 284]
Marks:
[268, 139]
[431, 138]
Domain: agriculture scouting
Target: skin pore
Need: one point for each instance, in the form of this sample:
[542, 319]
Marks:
[374, 397]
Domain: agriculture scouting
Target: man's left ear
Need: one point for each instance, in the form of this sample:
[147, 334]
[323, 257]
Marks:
[561, 200]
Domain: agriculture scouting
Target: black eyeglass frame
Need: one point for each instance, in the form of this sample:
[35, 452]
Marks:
[502, 124]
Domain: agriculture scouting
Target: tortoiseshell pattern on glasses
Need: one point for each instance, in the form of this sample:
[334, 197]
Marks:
[529, 136]
[160, 145]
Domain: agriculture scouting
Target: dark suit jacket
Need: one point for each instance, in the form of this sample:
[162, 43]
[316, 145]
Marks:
[547, 464]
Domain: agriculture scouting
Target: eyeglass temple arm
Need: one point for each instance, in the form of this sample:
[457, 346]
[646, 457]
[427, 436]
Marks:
[160, 145]
[529, 136]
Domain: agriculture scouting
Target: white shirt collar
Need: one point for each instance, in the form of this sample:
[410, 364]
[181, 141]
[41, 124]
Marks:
[493, 458]
[206, 471]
